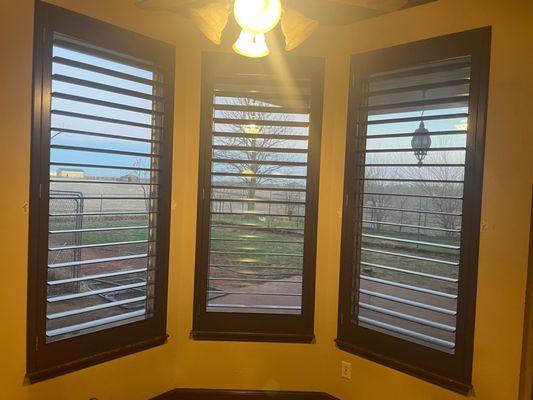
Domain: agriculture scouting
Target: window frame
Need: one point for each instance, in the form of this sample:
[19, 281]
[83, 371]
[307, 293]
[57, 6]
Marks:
[47, 360]
[452, 371]
[260, 326]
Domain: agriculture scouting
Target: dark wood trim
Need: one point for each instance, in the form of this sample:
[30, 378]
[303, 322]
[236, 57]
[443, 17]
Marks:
[412, 370]
[259, 326]
[228, 394]
[34, 214]
[50, 359]
[252, 337]
[526, 367]
[453, 371]
[57, 370]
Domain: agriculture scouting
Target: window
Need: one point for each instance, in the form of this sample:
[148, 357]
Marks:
[100, 187]
[411, 219]
[258, 189]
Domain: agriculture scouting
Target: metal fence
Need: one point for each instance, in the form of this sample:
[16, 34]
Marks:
[72, 203]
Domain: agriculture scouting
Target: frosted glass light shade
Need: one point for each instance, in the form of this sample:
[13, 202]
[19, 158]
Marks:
[251, 45]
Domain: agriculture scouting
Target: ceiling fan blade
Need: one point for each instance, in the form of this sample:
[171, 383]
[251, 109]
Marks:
[179, 6]
[331, 12]
[380, 5]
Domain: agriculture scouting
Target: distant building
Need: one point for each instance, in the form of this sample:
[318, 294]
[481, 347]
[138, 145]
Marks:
[130, 178]
[71, 173]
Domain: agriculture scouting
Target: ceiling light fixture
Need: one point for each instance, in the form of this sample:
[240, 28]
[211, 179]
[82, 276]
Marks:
[251, 45]
[255, 17]
[299, 18]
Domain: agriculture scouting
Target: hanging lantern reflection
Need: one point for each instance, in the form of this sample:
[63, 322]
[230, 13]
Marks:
[251, 129]
[421, 142]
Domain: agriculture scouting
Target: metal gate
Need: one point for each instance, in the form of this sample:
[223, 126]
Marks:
[69, 203]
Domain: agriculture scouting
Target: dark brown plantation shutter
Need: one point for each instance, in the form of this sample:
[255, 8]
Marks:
[105, 135]
[100, 193]
[260, 158]
[412, 207]
[258, 186]
[412, 202]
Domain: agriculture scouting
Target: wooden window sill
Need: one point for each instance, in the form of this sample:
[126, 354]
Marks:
[454, 385]
[253, 337]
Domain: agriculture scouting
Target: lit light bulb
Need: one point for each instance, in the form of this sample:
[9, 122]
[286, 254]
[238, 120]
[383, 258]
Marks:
[251, 129]
[257, 16]
[251, 45]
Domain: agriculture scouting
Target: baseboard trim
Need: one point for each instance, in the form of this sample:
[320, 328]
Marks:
[227, 394]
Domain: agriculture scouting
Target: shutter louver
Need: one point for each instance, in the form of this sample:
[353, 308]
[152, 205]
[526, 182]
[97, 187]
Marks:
[106, 122]
[414, 126]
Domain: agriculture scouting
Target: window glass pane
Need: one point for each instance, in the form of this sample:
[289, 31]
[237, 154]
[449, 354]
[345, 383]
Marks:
[258, 192]
[106, 120]
[416, 123]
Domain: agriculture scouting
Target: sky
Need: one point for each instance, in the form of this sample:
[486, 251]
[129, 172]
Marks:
[65, 122]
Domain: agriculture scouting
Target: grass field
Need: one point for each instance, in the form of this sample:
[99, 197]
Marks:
[250, 241]
[247, 241]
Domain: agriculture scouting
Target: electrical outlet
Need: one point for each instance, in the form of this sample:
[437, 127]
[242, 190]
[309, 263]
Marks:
[346, 370]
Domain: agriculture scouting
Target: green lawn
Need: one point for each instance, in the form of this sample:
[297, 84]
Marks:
[267, 242]
[102, 237]
[426, 267]
[272, 240]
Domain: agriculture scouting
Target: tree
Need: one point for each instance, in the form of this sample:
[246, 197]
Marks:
[254, 167]
[143, 178]
[437, 182]
[379, 202]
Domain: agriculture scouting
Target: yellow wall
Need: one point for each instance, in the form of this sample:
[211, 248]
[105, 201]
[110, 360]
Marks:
[185, 363]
